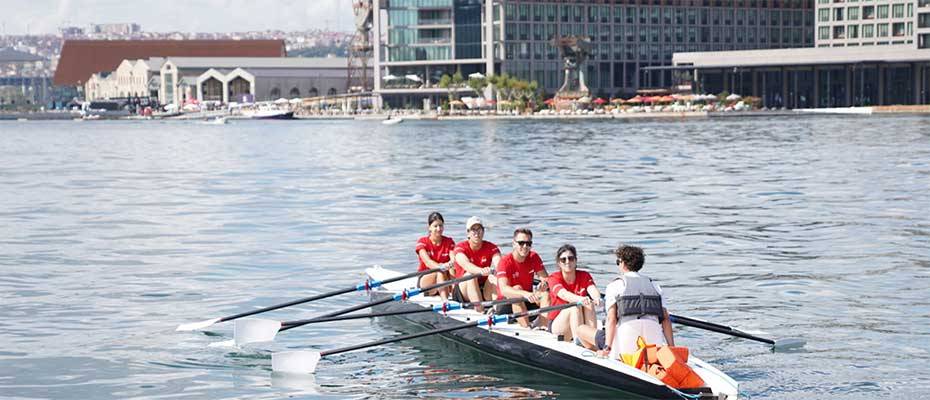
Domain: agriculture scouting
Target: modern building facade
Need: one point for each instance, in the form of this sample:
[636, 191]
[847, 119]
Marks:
[417, 41]
[873, 23]
[869, 53]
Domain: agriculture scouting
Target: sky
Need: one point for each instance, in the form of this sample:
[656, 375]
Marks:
[19, 17]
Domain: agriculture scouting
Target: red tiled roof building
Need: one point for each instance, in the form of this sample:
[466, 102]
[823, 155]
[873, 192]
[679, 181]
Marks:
[81, 58]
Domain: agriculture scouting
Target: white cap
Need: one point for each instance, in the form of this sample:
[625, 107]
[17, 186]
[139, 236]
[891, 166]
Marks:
[472, 222]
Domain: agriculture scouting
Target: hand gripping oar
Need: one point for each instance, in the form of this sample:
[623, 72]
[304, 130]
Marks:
[367, 285]
[776, 344]
[305, 361]
[444, 307]
[263, 330]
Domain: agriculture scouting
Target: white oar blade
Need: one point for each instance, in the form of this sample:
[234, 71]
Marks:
[194, 326]
[299, 361]
[789, 343]
[253, 330]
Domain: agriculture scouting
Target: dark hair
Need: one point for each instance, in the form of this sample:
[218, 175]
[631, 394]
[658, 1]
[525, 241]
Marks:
[433, 217]
[564, 248]
[632, 256]
[525, 231]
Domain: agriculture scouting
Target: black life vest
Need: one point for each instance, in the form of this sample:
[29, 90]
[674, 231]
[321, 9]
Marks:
[639, 299]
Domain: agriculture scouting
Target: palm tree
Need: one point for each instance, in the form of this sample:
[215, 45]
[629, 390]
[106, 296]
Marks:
[478, 85]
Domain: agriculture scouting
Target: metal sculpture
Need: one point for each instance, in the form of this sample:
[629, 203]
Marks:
[360, 47]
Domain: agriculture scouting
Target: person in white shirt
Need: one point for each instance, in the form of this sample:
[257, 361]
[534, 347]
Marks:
[634, 307]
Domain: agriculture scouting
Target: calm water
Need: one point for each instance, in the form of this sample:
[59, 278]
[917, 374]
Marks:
[112, 233]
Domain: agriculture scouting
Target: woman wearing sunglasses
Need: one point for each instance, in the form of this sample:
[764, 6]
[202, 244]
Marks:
[569, 285]
[434, 250]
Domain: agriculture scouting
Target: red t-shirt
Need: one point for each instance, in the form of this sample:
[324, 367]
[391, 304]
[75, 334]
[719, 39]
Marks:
[556, 284]
[519, 274]
[439, 253]
[481, 257]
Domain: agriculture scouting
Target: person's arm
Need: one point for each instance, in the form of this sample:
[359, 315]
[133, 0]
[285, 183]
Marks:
[424, 256]
[495, 259]
[667, 328]
[594, 294]
[466, 264]
[511, 292]
[571, 297]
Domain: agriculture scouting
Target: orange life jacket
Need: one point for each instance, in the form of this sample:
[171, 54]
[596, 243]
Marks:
[667, 363]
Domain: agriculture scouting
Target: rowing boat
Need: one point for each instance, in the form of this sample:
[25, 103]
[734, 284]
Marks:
[542, 350]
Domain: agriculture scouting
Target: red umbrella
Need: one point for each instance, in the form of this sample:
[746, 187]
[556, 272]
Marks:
[599, 101]
[636, 100]
[550, 101]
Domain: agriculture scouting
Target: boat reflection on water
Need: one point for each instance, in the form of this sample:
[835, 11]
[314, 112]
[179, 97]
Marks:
[450, 369]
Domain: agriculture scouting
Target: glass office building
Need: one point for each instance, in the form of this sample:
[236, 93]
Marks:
[418, 41]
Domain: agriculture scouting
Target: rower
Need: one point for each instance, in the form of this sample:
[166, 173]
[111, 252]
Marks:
[569, 285]
[475, 256]
[434, 251]
[515, 278]
[634, 307]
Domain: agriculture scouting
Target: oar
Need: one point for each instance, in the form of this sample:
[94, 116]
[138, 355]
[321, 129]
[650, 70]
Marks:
[368, 284]
[305, 361]
[776, 344]
[444, 307]
[263, 330]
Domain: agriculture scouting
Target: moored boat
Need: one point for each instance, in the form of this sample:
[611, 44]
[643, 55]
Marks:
[268, 113]
[542, 350]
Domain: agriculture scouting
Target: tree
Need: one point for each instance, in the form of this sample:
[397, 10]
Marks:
[478, 85]
[445, 82]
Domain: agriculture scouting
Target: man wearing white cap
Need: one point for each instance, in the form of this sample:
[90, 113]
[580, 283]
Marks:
[475, 256]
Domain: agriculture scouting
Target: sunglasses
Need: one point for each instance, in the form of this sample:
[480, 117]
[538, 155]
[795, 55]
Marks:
[567, 259]
[526, 243]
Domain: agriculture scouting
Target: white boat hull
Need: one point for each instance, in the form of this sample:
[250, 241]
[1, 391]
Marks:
[542, 350]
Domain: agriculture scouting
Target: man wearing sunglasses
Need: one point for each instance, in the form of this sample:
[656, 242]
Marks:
[475, 256]
[515, 278]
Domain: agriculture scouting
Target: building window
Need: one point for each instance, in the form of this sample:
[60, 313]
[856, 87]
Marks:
[823, 15]
[882, 30]
[897, 11]
[882, 12]
[897, 29]
[852, 13]
[838, 14]
[923, 20]
[868, 12]
[868, 31]
[839, 32]
[852, 31]
[823, 33]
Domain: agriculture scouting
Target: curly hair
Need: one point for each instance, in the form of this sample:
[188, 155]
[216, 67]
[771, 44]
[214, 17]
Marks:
[632, 256]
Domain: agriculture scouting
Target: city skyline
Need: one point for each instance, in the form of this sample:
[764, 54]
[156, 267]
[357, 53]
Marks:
[47, 16]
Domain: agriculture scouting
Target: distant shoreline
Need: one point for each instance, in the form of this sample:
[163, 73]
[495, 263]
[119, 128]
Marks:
[417, 115]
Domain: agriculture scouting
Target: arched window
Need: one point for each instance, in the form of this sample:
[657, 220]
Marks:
[313, 92]
[331, 92]
[295, 92]
[275, 93]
